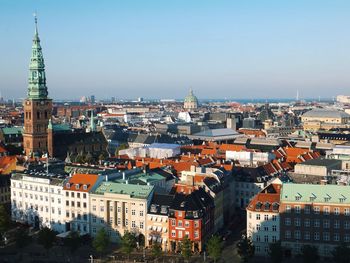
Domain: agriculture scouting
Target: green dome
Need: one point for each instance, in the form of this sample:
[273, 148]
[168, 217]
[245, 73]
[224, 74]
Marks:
[191, 97]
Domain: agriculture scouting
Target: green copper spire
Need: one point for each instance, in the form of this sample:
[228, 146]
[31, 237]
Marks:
[92, 122]
[37, 80]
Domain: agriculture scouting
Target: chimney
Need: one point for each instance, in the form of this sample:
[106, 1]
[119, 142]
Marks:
[106, 178]
[123, 175]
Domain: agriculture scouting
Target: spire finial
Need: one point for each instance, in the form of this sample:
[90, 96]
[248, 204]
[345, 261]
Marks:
[36, 22]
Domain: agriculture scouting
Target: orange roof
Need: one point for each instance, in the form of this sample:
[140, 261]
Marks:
[2, 149]
[80, 180]
[270, 194]
[231, 147]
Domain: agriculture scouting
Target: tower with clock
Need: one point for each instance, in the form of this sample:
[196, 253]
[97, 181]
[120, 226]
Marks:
[37, 106]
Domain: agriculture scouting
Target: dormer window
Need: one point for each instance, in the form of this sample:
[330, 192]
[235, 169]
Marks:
[77, 186]
[85, 187]
[68, 185]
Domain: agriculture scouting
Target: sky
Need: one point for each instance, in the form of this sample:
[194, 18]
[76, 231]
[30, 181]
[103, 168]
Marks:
[159, 49]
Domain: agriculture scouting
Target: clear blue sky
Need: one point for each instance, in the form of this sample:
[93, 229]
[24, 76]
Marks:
[158, 49]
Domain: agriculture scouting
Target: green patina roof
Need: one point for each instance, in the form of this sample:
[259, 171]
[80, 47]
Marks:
[191, 97]
[61, 127]
[136, 191]
[12, 130]
[142, 177]
[333, 194]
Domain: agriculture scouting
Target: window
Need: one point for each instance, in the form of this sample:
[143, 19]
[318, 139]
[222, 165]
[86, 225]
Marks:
[307, 222]
[187, 224]
[297, 221]
[274, 239]
[266, 217]
[274, 218]
[288, 209]
[179, 233]
[326, 210]
[287, 234]
[287, 221]
[258, 227]
[307, 235]
[325, 236]
[326, 223]
[316, 210]
[126, 210]
[257, 238]
[102, 209]
[179, 223]
[196, 224]
[297, 209]
[266, 239]
[126, 222]
[297, 234]
[133, 224]
[94, 230]
[347, 211]
[346, 224]
[173, 233]
[173, 222]
[346, 238]
[317, 223]
[274, 228]
[336, 237]
[257, 216]
[307, 209]
[133, 212]
[336, 211]
[316, 236]
[141, 213]
[266, 228]
[93, 208]
[141, 225]
[93, 219]
[84, 195]
[196, 234]
[336, 224]
[78, 195]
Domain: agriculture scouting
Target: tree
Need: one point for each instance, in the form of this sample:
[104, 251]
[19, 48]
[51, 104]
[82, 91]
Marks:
[22, 238]
[128, 242]
[245, 248]
[80, 158]
[4, 220]
[89, 158]
[276, 252]
[101, 241]
[156, 250]
[186, 248]
[214, 247]
[309, 254]
[73, 241]
[341, 254]
[46, 237]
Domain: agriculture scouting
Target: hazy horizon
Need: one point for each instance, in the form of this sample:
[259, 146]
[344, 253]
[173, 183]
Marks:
[159, 49]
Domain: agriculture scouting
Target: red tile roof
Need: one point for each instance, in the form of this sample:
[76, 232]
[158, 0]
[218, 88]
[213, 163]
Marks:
[81, 179]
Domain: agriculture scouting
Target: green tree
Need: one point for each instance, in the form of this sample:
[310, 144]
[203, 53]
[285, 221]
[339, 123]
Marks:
[101, 241]
[80, 158]
[22, 238]
[46, 237]
[186, 248]
[73, 241]
[309, 254]
[156, 250]
[341, 254]
[122, 146]
[214, 247]
[245, 248]
[4, 220]
[128, 242]
[276, 252]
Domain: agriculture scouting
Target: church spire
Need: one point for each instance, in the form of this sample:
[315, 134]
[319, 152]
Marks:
[37, 80]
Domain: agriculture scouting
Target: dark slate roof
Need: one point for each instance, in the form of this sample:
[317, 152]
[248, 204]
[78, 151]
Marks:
[213, 184]
[160, 204]
[193, 204]
[250, 174]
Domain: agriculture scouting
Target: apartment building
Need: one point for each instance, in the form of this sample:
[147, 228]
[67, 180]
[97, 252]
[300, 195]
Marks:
[158, 221]
[36, 199]
[300, 214]
[263, 219]
[191, 215]
[76, 198]
[316, 215]
[120, 207]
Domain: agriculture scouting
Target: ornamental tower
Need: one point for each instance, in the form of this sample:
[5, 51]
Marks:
[37, 106]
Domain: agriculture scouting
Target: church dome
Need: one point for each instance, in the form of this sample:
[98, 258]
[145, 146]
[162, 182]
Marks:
[191, 97]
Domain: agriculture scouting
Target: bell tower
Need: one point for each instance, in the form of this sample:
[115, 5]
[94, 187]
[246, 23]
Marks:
[37, 106]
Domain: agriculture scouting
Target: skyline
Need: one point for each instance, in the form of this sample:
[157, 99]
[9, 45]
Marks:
[157, 50]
